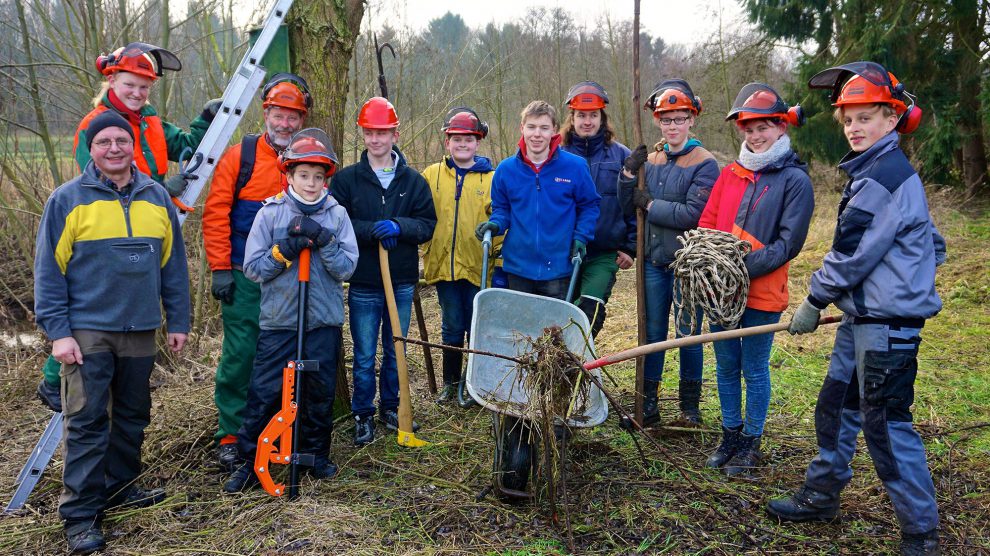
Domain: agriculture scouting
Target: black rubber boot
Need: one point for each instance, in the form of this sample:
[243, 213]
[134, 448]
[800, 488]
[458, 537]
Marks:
[241, 479]
[690, 399]
[228, 457]
[452, 361]
[595, 311]
[464, 399]
[323, 468]
[921, 544]
[50, 395]
[137, 497]
[651, 404]
[86, 539]
[747, 457]
[807, 504]
[725, 450]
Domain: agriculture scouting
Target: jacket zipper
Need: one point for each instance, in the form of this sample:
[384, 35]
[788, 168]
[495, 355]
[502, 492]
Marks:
[458, 184]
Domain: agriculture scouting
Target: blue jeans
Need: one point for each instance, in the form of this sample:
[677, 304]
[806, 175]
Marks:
[456, 305]
[368, 314]
[747, 358]
[659, 298]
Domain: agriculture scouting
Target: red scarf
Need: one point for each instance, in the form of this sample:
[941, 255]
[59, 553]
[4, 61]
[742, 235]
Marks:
[131, 115]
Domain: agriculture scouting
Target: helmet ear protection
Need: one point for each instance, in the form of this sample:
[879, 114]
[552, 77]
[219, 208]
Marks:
[296, 80]
[910, 120]
[795, 116]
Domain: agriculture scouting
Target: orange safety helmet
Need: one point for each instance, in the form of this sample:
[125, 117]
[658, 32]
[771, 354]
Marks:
[139, 58]
[464, 121]
[587, 95]
[869, 83]
[310, 146]
[378, 113]
[758, 101]
[287, 90]
[673, 94]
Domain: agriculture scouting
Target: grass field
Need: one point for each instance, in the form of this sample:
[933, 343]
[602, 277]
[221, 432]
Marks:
[391, 500]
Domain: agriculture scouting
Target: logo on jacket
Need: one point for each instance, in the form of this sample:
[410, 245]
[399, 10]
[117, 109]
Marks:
[134, 257]
[561, 180]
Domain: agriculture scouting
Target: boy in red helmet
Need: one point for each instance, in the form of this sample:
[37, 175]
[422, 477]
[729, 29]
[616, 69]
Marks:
[304, 216]
[461, 186]
[389, 203]
[881, 274]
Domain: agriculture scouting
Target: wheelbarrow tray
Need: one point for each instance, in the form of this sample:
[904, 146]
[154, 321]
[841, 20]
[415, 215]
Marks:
[503, 321]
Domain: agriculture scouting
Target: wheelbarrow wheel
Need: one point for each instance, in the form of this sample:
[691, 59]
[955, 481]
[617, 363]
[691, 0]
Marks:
[514, 456]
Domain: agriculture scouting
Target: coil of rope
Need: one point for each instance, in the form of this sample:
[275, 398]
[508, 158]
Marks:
[709, 273]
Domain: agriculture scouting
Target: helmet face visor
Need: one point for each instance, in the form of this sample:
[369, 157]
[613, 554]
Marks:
[310, 145]
[587, 95]
[834, 78]
[164, 59]
[757, 100]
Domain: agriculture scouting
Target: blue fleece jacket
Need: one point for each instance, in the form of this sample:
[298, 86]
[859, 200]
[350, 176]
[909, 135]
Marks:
[546, 209]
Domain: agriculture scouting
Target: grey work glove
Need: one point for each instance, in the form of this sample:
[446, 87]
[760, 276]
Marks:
[176, 185]
[635, 160]
[211, 108]
[805, 319]
[479, 232]
[223, 286]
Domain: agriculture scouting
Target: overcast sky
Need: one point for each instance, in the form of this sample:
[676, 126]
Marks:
[675, 21]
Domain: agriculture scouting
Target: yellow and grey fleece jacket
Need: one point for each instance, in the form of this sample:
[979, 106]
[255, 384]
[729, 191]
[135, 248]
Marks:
[109, 262]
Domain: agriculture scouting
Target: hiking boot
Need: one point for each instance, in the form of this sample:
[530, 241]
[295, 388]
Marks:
[920, 544]
[50, 395]
[390, 418]
[690, 398]
[87, 540]
[364, 430]
[746, 458]
[228, 457]
[241, 479]
[464, 399]
[725, 450]
[448, 393]
[322, 469]
[136, 497]
[651, 404]
[807, 504]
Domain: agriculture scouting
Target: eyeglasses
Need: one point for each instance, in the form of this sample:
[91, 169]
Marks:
[676, 121]
[122, 143]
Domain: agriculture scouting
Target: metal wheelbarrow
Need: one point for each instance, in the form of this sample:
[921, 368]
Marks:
[502, 322]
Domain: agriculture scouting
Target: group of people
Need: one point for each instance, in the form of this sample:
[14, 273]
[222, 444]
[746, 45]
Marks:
[569, 192]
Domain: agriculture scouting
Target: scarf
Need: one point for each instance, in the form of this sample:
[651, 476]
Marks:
[758, 161]
[118, 105]
[307, 207]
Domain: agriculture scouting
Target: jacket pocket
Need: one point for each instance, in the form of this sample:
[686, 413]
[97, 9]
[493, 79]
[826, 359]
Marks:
[853, 223]
[134, 258]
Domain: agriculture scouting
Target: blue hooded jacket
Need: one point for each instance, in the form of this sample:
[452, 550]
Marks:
[613, 231]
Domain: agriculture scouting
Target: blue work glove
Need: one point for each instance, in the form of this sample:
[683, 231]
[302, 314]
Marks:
[805, 319]
[389, 242]
[291, 246]
[578, 248]
[479, 232]
[385, 229]
[223, 286]
[301, 225]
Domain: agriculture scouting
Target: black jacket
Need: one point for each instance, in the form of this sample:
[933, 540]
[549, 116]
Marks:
[407, 201]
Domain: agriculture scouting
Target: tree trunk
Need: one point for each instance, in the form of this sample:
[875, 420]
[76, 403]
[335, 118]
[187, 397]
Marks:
[322, 34]
[967, 50]
[35, 91]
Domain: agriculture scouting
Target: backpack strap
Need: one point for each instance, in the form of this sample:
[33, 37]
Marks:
[249, 151]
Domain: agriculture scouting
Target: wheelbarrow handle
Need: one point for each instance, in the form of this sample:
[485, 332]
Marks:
[576, 261]
[486, 249]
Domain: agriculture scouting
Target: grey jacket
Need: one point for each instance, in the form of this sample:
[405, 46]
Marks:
[885, 248]
[329, 268]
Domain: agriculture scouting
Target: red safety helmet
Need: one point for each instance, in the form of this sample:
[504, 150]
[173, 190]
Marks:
[464, 121]
[758, 101]
[587, 95]
[378, 113]
[146, 60]
[311, 146]
[287, 90]
[869, 83]
[673, 94]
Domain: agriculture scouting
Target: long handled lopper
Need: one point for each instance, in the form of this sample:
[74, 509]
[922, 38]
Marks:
[284, 426]
[406, 437]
